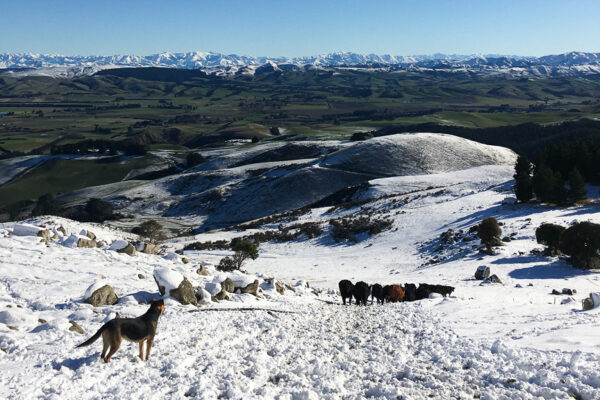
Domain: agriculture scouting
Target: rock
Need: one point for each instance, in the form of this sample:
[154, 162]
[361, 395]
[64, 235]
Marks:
[555, 292]
[129, 250]
[42, 321]
[62, 230]
[202, 296]
[202, 270]
[251, 288]
[150, 248]
[185, 260]
[87, 243]
[45, 235]
[289, 287]
[141, 276]
[180, 252]
[518, 285]
[483, 272]
[279, 287]
[492, 279]
[76, 328]
[506, 239]
[587, 303]
[222, 295]
[448, 237]
[184, 293]
[213, 288]
[101, 243]
[90, 235]
[569, 292]
[102, 297]
[227, 285]
[166, 279]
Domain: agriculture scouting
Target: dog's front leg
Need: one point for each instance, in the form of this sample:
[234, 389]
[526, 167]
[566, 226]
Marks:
[149, 346]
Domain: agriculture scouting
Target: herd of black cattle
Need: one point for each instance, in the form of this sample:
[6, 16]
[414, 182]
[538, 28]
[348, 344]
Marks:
[389, 293]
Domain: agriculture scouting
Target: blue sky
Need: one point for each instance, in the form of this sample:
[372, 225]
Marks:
[300, 28]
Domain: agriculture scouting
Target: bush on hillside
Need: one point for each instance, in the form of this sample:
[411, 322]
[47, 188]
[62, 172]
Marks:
[581, 242]
[549, 236]
[98, 210]
[489, 232]
[193, 159]
[150, 229]
[243, 249]
[45, 206]
[348, 228]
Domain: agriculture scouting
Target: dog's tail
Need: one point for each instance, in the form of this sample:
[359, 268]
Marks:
[93, 338]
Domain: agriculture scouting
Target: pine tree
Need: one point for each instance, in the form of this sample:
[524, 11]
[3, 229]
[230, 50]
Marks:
[523, 184]
[542, 182]
[576, 186]
[523, 166]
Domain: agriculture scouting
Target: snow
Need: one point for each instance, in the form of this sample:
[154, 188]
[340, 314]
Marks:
[498, 341]
[168, 278]
[25, 230]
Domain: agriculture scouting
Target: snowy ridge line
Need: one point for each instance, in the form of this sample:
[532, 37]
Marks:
[571, 63]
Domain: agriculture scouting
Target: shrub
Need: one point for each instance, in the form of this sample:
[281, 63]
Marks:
[45, 205]
[348, 228]
[356, 136]
[227, 265]
[193, 159]
[216, 245]
[582, 243]
[150, 229]
[98, 210]
[549, 236]
[244, 249]
[489, 232]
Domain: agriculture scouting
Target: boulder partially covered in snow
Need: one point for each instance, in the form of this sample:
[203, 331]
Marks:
[87, 243]
[483, 272]
[176, 285]
[167, 279]
[129, 250]
[593, 301]
[251, 288]
[203, 296]
[184, 293]
[97, 295]
[491, 279]
[228, 286]
[85, 232]
[149, 248]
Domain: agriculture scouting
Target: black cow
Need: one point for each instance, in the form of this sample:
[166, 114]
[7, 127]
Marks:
[377, 292]
[425, 290]
[410, 292]
[361, 293]
[346, 288]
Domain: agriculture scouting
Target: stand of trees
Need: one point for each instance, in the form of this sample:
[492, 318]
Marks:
[560, 173]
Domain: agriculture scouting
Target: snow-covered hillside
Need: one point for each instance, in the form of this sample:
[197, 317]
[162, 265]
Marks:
[256, 181]
[513, 340]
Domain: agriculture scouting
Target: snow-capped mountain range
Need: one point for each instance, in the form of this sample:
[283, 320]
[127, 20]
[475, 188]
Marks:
[572, 63]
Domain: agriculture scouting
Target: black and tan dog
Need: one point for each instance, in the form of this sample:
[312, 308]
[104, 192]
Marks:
[140, 329]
